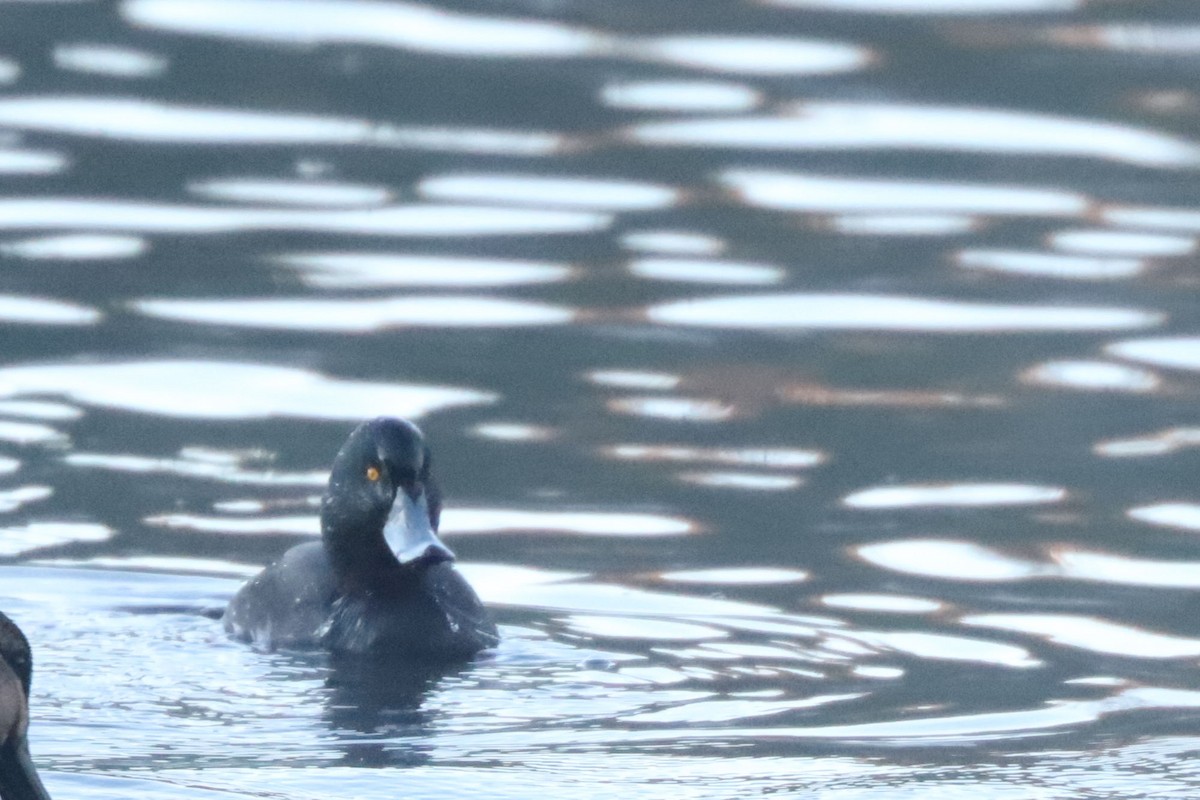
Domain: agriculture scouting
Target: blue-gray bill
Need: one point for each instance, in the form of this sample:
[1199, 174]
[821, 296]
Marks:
[408, 531]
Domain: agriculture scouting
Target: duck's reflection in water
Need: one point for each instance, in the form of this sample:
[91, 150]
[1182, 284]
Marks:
[376, 709]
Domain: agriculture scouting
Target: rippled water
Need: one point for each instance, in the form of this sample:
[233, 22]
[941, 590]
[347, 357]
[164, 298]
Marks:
[813, 384]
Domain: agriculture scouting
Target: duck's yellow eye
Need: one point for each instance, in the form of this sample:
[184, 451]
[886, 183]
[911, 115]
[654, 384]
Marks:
[372, 473]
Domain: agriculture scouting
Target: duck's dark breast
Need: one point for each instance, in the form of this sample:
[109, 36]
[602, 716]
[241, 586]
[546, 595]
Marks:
[434, 615]
[18, 776]
[287, 604]
[12, 705]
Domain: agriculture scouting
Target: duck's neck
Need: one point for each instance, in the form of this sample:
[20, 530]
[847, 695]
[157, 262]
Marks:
[361, 561]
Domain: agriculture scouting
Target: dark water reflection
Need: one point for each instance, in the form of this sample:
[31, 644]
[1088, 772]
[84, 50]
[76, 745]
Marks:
[812, 384]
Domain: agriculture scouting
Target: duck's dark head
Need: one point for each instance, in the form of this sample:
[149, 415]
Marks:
[18, 778]
[380, 511]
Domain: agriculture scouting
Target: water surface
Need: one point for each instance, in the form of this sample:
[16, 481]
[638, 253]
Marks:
[812, 383]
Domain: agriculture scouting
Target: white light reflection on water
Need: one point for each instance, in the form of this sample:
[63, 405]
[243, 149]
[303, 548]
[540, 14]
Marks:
[955, 495]
[787, 191]
[9, 70]
[8, 465]
[752, 55]
[737, 576]
[483, 141]
[582, 523]
[1155, 444]
[1185, 220]
[105, 59]
[732, 709]
[1129, 37]
[940, 647]
[1166, 102]
[508, 585]
[891, 313]
[422, 220]
[144, 120]
[903, 224]
[309, 525]
[76, 247]
[634, 379]
[150, 121]
[481, 715]
[514, 432]
[691, 409]
[171, 565]
[280, 191]
[947, 729]
[680, 270]
[1122, 243]
[653, 630]
[31, 162]
[1090, 633]
[1124, 570]
[981, 727]
[241, 506]
[949, 560]
[14, 499]
[360, 316]
[201, 390]
[627, 612]
[674, 242]
[39, 409]
[1176, 352]
[1051, 265]
[190, 468]
[746, 481]
[1092, 376]
[30, 433]
[391, 24]
[427, 28]
[363, 270]
[25, 310]
[545, 771]
[529, 680]
[760, 457]
[1185, 516]
[456, 707]
[887, 603]
[549, 192]
[1098, 680]
[878, 673]
[680, 96]
[865, 126]
[35, 535]
[933, 7]
[965, 561]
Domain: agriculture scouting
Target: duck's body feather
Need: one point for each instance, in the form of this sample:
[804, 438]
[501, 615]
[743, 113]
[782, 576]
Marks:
[295, 604]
